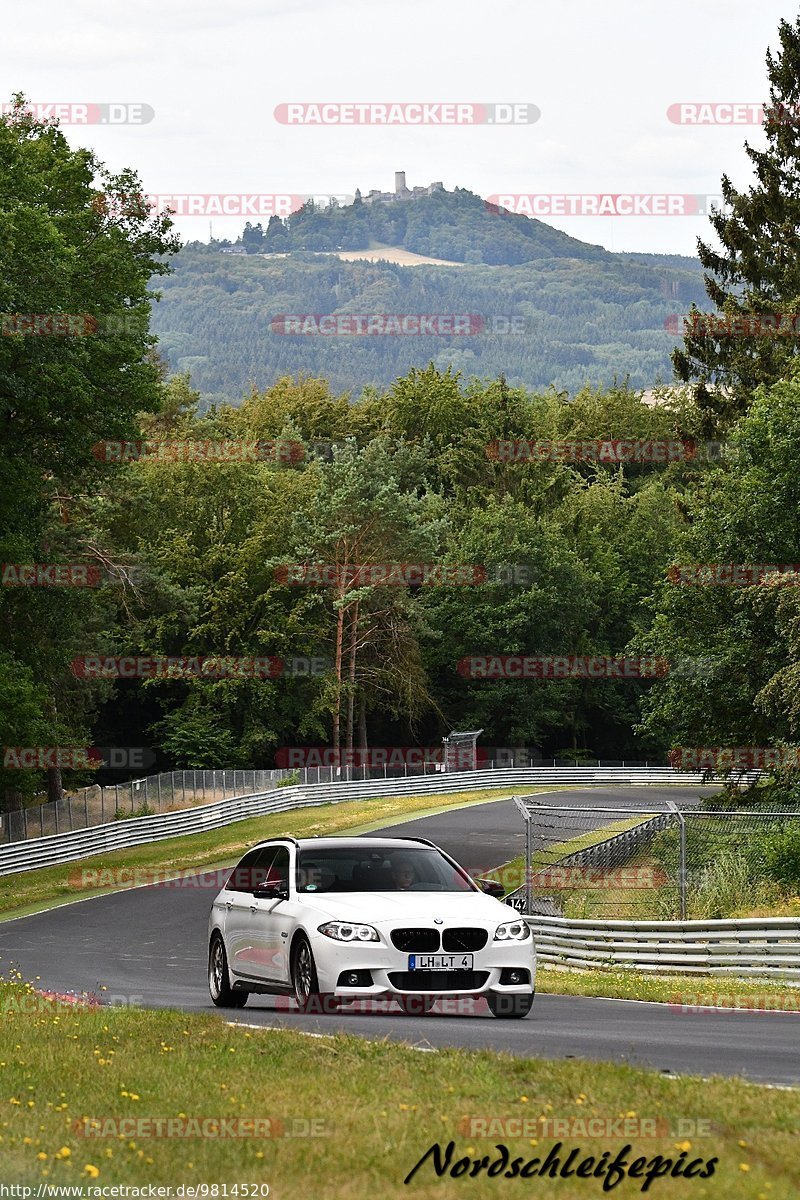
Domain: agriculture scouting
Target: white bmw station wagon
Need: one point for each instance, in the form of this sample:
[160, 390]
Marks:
[333, 920]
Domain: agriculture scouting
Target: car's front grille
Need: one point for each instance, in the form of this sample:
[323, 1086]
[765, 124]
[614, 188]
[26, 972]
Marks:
[438, 981]
[459, 940]
[416, 941]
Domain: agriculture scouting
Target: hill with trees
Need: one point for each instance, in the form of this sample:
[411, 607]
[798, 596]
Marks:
[552, 310]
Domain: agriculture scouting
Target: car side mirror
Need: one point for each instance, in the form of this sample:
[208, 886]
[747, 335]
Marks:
[492, 888]
[271, 891]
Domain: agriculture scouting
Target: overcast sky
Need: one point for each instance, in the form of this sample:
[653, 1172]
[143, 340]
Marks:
[603, 76]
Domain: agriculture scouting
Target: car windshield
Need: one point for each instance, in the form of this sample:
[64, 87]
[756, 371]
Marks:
[351, 869]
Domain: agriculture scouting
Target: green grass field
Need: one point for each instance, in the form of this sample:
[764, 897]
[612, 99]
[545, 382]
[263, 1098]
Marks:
[342, 1117]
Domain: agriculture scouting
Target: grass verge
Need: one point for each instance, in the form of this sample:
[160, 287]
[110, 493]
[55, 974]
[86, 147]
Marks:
[374, 1109]
[708, 991]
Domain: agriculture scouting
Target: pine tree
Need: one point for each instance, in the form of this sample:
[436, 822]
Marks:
[757, 271]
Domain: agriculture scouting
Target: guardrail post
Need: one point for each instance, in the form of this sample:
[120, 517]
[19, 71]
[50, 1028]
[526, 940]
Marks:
[25, 824]
[116, 799]
[102, 804]
[682, 859]
[528, 864]
[682, 871]
[85, 807]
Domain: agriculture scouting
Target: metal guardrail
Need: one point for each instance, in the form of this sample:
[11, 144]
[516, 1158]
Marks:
[118, 835]
[760, 946]
[190, 787]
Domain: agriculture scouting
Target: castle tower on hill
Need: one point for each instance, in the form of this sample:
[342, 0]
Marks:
[401, 191]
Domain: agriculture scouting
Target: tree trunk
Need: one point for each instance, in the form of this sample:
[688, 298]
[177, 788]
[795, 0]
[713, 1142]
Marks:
[351, 676]
[55, 790]
[362, 723]
[337, 706]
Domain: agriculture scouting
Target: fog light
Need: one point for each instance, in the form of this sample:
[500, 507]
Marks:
[352, 979]
[514, 976]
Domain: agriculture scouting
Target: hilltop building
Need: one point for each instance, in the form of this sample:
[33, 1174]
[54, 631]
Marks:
[401, 191]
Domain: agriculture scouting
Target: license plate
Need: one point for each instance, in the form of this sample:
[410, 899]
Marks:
[440, 962]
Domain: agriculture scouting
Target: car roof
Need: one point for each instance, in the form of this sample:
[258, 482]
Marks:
[362, 843]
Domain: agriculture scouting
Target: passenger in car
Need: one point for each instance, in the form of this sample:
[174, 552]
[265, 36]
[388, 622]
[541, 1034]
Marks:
[403, 874]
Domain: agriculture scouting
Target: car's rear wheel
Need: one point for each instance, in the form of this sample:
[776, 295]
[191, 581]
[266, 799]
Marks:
[508, 1005]
[306, 984]
[416, 1006]
[223, 995]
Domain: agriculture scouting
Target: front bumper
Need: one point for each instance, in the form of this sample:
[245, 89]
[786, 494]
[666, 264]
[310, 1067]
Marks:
[390, 975]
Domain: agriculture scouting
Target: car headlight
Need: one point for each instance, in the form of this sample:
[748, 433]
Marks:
[512, 931]
[346, 931]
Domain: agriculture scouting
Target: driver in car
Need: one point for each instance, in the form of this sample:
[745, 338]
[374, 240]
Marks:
[403, 874]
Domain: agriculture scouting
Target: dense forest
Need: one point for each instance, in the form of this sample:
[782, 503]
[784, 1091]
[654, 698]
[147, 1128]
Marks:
[563, 319]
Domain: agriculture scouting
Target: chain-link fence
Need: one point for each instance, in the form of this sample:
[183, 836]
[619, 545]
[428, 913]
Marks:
[139, 797]
[186, 789]
[659, 863]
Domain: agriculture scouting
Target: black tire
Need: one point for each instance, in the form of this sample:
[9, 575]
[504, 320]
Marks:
[305, 983]
[415, 1006]
[222, 994]
[510, 1006]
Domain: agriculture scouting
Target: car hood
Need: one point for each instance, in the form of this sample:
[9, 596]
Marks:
[375, 908]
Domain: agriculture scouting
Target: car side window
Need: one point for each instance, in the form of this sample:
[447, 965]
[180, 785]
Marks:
[251, 871]
[278, 871]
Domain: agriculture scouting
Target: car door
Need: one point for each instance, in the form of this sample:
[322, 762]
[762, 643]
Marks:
[238, 900]
[272, 921]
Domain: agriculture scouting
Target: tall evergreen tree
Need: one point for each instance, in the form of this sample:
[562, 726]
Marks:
[757, 270]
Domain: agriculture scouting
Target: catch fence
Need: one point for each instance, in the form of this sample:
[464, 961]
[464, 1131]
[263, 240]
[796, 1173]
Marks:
[656, 863]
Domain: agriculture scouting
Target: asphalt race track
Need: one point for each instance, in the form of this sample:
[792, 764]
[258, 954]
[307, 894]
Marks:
[148, 946]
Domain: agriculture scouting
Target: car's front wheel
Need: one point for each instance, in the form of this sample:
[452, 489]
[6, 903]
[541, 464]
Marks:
[510, 1005]
[305, 982]
[223, 995]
